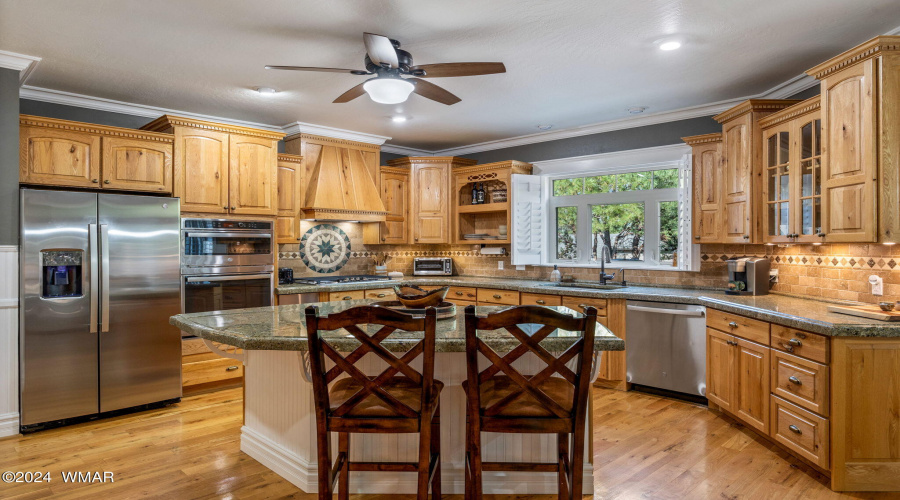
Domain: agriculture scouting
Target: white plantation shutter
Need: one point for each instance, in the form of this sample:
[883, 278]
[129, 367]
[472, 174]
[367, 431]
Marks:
[688, 252]
[527, 231]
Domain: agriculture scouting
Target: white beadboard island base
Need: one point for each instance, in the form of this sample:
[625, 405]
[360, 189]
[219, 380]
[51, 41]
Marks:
[280, 432]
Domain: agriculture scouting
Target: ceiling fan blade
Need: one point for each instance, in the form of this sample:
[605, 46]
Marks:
[433, 92]
[326, 70]
[380, 49]
[459, 69]
[351, 94]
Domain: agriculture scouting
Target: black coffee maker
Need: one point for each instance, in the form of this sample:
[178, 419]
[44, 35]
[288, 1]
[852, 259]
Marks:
[748, 276]
[285, 275]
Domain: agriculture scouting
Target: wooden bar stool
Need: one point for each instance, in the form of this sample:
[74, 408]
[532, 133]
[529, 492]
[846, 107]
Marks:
[551, 401]
[398, 400]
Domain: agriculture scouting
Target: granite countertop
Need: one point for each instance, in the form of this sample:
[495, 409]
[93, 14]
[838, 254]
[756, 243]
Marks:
[796, 312]
[284, 328]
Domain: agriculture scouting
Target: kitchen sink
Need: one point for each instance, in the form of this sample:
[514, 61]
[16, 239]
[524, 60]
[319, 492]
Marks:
[592, 286]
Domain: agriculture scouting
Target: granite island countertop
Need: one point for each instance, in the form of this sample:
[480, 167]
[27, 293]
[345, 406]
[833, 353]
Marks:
[797, 312]
[284, 328]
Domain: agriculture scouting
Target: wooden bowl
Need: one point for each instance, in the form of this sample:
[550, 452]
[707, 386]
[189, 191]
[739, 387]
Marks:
[413, 296]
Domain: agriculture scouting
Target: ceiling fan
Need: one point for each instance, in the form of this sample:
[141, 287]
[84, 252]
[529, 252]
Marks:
[390, 64]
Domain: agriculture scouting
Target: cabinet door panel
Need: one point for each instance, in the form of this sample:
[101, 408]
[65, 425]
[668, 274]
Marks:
[59, 157]
[137, 165]
[252, 175]
[721, 363]
[849, 166]
[201, 170]
[394, 189]
[738, 169]
[753, 385]
[707, 214]
[430, 204]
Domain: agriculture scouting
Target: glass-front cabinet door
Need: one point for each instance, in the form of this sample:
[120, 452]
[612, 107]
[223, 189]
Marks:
[792, 212]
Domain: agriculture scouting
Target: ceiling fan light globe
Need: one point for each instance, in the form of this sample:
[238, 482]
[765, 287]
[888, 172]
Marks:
[388, 90]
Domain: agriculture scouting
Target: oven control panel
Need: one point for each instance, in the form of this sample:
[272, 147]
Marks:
[225, 224]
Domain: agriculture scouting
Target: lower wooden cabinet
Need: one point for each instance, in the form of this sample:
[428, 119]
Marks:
[801, 431]
[200, 367]
[346, 295]
[492, 296]
[721, 369]
[380, 294]
[752, 400]
[537, 299]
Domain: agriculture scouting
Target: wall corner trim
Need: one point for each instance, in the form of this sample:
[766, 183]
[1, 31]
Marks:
[22, 63]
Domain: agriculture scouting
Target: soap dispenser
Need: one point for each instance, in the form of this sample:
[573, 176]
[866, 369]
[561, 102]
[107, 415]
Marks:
[555, 276]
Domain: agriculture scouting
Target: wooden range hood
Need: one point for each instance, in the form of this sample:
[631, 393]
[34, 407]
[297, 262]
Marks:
[340, 183]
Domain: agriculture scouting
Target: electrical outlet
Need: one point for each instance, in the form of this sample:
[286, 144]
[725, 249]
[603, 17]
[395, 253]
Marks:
[520, 268]
[499, 264]
[773, 275]
[877, 284]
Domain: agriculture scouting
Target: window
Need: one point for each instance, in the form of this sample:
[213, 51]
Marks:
[630, 217]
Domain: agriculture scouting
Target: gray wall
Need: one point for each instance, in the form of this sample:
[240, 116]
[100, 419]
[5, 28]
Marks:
[63, 112]
[389, 156]
[9, 157]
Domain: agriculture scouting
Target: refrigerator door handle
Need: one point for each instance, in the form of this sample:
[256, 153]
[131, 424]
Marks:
[93, 251]
[104, 276]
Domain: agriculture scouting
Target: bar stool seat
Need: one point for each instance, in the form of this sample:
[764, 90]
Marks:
[403, 389]
[500, 387]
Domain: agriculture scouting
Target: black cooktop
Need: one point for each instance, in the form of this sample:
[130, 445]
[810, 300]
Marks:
[337, 280]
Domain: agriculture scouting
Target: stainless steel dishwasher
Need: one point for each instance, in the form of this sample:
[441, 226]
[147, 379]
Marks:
[666, 346]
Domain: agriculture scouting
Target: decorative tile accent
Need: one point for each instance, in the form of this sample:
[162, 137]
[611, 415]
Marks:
[325, 248]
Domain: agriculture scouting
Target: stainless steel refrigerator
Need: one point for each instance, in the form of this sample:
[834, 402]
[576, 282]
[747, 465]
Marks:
[99, 278]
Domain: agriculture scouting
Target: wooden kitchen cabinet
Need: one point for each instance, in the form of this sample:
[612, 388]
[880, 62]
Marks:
[220, 168]
[721, 369]
[752, 391]
[792, 172]
[742, 168]
[708, 203]
[861, 128]
[483, 218]
[393, 186]
[73, 154]
[429, 195]
[289, 190]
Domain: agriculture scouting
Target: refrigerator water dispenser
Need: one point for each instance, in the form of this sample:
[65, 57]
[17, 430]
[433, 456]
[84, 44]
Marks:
[61, 273]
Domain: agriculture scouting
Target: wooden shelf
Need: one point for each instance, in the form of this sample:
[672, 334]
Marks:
[483, 242]
[485, 208]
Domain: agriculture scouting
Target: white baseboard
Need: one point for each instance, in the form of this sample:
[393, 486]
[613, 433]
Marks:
[303, 474]
[9, 424]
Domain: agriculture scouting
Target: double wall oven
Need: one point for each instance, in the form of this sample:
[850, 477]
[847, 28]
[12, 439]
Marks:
[226, 264]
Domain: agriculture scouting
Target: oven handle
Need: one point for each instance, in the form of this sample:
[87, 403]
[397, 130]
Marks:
[197, 279]
[229, 235]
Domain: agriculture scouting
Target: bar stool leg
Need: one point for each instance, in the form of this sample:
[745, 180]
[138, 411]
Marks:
[344, 479]
[324, 456]
[436, 449]
[474, 490]
[563, 476]
[577, 469]
[424, 461]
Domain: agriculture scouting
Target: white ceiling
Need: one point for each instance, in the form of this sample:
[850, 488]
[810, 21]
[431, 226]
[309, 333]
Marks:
[569, 63]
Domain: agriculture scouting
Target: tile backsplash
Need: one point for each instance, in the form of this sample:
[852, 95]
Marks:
[832, 271]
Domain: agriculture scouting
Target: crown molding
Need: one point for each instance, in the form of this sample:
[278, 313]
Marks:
[643, 158]
[402, 150]
[297, 128]
[127, 108]
[22, 63]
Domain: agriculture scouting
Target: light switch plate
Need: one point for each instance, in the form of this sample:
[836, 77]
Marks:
[499, 264]
[520, 268]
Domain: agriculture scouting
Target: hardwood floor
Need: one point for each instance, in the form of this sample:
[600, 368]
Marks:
[645, 447]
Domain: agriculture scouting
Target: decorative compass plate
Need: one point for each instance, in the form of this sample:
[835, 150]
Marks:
[325, 248]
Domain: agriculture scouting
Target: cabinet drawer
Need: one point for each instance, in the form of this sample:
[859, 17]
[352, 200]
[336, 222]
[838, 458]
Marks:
[579, 303]
[492, 296]
[800, 381]
[348, 295]
[458, 293]
[214, 370]
[800, 343]
[461, 304]
[801, 431]
[536, 299]
[750, 329]
[380, 294]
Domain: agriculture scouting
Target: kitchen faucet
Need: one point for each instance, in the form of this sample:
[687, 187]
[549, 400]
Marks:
[605, 256]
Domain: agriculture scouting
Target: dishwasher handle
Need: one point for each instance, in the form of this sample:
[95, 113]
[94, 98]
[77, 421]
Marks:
[673, 312]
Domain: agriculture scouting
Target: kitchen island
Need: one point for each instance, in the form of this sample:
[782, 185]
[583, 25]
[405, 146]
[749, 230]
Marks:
[279, 420]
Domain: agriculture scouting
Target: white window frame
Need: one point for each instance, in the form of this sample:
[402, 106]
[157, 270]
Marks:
[672, 157]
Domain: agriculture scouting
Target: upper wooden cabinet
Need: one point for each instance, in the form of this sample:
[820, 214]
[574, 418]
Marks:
[73, 154]
[393, 184]
[861, 126]
[290, 181]
[792, 172]
[742, 168]
[429, 190]
[707, 217]
[485, 218]
[222, 168]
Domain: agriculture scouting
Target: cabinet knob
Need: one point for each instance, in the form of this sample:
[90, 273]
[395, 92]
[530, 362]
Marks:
[733, 324]
[382, 238]
[787, 347]
[232, 207]
[795, 429]
[498, 296]
[696, 237]
[95, 181]
[541, 302]
[231, 368]
[795, 380]
[225, 207]
[417, 238]
[746, 236]
[347, 298]
[106, 181]
[795, 342]
[459, 293]
[381, 295]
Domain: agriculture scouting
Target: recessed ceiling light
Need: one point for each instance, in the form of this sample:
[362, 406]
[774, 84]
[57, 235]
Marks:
[669, 45]
[267, 91]
[545, 127]
[636, 110]
[399, 119]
